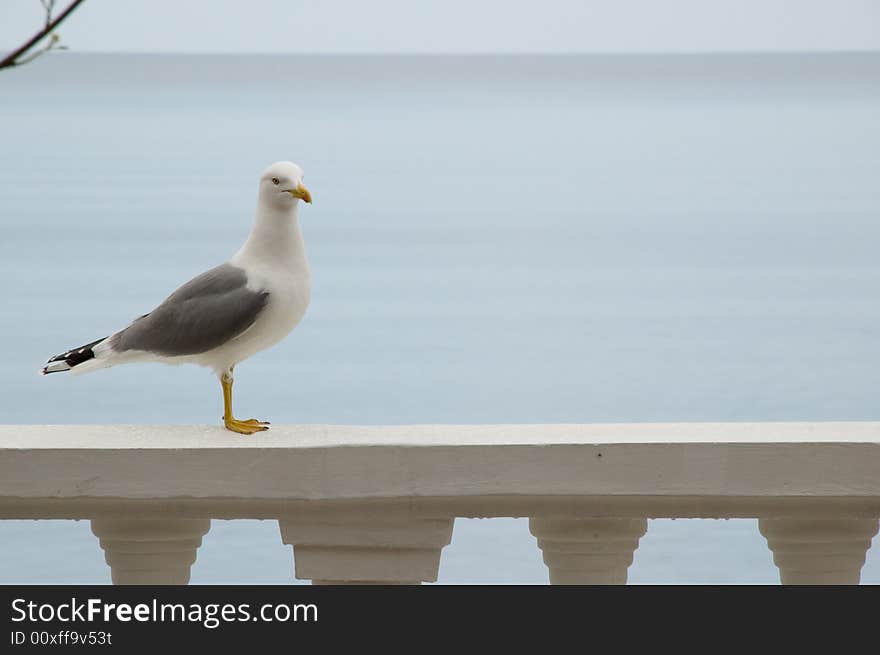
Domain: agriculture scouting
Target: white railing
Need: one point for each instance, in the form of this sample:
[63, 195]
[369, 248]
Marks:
[377, 504]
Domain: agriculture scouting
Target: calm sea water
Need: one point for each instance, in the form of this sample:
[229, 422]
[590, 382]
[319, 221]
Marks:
[520, 239]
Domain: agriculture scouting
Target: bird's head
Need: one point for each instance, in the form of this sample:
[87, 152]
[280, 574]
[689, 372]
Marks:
[281, 185]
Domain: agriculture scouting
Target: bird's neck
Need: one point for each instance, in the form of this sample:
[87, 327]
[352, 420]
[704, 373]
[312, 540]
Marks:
[276, 236]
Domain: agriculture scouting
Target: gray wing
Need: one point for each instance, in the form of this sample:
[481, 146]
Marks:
[203, 314]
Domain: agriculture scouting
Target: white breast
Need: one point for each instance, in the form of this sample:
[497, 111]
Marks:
[274, 259]
[289, 295]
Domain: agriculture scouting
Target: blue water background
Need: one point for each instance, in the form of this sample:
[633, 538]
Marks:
[493, 240]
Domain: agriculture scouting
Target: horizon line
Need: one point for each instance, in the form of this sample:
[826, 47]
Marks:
[500, 53]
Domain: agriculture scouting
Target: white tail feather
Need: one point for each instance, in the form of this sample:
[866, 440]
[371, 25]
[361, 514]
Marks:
[55, 367]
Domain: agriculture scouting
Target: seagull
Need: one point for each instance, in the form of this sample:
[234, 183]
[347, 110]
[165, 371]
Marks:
[228, 313]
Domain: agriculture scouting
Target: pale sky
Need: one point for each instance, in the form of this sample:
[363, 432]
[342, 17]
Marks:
[438, 26]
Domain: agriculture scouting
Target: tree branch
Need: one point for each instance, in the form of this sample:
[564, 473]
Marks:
[12, 59]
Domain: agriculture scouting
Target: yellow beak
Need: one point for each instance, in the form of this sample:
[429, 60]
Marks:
[301, 192]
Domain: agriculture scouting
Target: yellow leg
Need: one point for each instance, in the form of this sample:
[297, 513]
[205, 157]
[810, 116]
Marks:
[242, 427]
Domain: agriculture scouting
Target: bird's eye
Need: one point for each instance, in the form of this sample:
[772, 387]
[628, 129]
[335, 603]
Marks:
[276, 181]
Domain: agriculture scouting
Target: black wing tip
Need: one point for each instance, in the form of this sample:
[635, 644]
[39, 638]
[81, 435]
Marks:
[72, 357]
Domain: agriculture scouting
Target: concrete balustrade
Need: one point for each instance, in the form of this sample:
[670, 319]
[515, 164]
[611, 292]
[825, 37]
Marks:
[150, 551]
[365, 505]
[370, 548]
[819, 551]
[588, 551]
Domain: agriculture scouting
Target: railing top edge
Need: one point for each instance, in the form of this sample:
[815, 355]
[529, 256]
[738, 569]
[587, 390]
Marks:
[36, 437]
